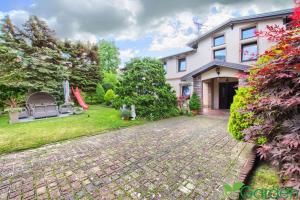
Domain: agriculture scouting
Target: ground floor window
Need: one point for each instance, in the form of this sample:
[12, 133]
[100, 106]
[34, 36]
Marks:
[186, 90]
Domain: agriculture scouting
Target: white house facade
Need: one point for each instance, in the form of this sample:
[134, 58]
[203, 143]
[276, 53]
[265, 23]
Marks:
[212, 67]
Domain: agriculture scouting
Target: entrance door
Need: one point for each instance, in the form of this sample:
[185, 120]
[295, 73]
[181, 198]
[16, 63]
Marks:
[226, 93]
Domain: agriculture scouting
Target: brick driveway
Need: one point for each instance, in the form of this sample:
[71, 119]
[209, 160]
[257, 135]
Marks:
[170, 159]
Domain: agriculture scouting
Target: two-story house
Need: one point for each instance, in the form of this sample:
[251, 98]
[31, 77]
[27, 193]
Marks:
[212, 67]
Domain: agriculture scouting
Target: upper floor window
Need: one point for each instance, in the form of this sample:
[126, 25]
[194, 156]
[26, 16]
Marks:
[248, 33]
[165, 66]
[182, 65]
[219, 40]
[220, 54]
[249, 52]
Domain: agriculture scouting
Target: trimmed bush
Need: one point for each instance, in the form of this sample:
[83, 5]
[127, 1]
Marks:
[194, 103]
[143, 84]
[239, 120]
[109, 96]
[100, 93]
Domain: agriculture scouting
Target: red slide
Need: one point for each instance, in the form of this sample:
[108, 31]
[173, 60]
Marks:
[76, 93]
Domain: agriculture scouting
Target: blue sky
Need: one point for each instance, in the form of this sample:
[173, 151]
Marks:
[139, 28]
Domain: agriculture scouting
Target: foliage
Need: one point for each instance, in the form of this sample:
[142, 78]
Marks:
[32, 59]
[110, 81]
[143, 84]
[109, 54]
[95, 120]
[264, 176]
[12, 105]
[276, 83]
[82, 61]
[109, 96]
[100, 93]
[240, 120]
[125, 114]
[194, 103]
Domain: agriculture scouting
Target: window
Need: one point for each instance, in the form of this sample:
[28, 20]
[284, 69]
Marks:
[165, 66]
[181, 65]
[220, 54]
[249, 52]
[186, 91]
[219, 40]
[248, 33]
[286, 22]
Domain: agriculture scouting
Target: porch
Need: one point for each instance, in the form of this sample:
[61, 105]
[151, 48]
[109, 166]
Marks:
[215, 83]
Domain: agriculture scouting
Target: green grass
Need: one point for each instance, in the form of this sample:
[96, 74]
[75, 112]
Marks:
[37, 133]
[263, 177]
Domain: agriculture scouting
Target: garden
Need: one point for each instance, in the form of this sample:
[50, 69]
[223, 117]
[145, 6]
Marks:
[53, 90]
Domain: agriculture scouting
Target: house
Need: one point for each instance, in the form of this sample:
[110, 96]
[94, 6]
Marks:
[211, 68]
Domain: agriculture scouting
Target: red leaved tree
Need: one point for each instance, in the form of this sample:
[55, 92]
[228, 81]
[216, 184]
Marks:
[276, 83]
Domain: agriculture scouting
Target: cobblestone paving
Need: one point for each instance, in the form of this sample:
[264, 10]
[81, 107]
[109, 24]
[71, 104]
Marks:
[178, 158]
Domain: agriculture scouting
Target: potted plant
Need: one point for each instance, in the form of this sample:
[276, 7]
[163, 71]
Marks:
[194, 104]
[125, 114]
[13, 110]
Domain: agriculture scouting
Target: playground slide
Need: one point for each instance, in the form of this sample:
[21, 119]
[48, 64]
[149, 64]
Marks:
[77, 95]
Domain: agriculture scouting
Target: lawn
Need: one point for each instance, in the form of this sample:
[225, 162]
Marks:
[263, 177]
[37, 133]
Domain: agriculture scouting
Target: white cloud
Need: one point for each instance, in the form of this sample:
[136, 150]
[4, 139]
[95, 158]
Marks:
[127, 54]
[173, 32]
[18, 17]
[170, 22]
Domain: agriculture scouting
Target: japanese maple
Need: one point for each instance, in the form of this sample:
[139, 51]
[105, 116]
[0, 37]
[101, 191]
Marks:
[276, 83]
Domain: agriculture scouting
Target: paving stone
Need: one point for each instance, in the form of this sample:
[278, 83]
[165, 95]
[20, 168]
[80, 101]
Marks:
[177, 158]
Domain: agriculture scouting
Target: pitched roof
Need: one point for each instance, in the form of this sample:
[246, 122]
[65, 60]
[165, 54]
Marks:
[230, 22]
[213, 64]
[184, 53]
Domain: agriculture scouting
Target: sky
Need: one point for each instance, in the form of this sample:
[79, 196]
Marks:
[139, 28]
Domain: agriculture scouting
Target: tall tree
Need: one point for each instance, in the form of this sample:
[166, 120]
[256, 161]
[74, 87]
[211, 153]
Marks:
[83, 65]
[109, 56]
[10, 61]
[36, 63]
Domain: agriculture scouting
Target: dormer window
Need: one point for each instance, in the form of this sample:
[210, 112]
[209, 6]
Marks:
[248, 33]
[219, 40]
[181, 65]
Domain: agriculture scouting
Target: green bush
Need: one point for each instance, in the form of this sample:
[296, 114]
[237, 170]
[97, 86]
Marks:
[100, 93]
[238, 120]
[194, 103]
[109, 96]
[143, 84]
[125, 114]
[110, 81]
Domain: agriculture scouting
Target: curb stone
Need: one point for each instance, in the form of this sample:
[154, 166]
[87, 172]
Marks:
[245, 171]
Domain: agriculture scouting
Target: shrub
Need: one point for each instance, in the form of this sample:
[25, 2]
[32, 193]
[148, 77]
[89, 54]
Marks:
[143, 84]
[194, 103]
[100, 93]
[109, 96]
[110, 81]
[239, 119]
[125, 114]
[276, 81]
[108, 86]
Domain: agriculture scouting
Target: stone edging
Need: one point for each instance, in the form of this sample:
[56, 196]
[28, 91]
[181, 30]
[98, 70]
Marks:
[246, 170]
